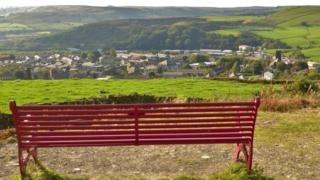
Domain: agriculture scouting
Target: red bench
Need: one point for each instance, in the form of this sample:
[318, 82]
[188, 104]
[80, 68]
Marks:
[45, 126]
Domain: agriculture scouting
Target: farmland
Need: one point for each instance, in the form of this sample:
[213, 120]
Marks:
[298, 27]
[40, 91]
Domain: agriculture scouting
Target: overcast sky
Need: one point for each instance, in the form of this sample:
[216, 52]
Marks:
[201, 3]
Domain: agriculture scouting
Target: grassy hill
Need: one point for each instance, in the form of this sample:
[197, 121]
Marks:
[89, 14]
[141, 34]
[295, 16]
[298, 27]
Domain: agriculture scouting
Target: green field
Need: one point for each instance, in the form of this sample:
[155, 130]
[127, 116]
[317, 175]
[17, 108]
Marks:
[64, 90]
[234, 18]
[227, 32]
[5, 27]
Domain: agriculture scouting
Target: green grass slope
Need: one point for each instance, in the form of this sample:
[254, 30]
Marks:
[294, 16]
[40, 91]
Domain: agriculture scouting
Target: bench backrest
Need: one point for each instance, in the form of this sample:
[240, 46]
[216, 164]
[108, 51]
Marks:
[134, 124]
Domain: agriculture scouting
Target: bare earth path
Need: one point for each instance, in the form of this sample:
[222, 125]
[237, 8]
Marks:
[287, 146]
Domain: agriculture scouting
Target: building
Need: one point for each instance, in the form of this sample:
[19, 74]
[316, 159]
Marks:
[313, 65]
[244, 47]
[268, 75]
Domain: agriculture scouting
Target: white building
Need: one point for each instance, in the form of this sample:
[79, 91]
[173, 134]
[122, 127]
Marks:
[268, 75]
[313, 65]
[244, 47]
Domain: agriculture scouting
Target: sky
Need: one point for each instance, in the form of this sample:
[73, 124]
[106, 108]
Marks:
[199, 3]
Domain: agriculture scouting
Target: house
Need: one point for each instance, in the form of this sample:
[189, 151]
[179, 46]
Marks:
[268, 75]
[210, 63]
[236, 76]
[37, 57]
[227, 51]
[150, 68]
[195, 65]
[67, 61]
[288, 60]
[244, 47]
[313, 65]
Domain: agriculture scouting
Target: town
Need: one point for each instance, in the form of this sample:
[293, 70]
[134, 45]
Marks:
[248, 63]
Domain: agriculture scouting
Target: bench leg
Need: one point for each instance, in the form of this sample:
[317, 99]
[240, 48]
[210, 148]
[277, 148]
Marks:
[247, 152]
[23, 162]
[250, 156]
[34, 153]
[24, 156]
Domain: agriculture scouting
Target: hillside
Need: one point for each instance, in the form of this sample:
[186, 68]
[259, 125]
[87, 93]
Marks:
[89, 14]
[32, 22]
[295, 16]
[141, 34]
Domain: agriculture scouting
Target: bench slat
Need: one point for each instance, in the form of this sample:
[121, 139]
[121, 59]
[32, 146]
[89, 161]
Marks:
[130, 106]
[192, 120]
[132, 136]
[221, 130]
[103, 122]
[76, 132]
[51, 128]
[75, 117]
[140, 142]
[79, 122]
[117, 111]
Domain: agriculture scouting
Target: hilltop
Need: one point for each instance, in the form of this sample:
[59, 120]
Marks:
[90, 14]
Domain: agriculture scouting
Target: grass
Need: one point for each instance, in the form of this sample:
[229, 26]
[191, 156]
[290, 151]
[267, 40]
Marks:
[234, 18]
[292, 125]
[293, 16]
[227, 32]
[313, 53]
[5, 27]
[40, 91]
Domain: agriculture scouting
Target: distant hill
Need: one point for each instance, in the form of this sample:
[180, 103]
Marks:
[295, 16]
[149, 34]
[89, 14]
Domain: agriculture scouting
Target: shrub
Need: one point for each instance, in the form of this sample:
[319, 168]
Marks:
[304, 86]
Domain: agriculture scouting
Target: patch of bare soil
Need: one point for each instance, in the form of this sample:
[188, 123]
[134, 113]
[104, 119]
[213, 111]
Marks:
[167, 161]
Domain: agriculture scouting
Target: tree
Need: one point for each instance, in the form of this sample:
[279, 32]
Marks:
[94, 56]
[236, 67]
[199, 58]
[112, 52]
[300, 65]
[256, 67]
[281, 66]
[304, 23]
[152, 74]
[297, 54]
[83, 55]
[19, 74]
[278, 55]
[12, 56]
